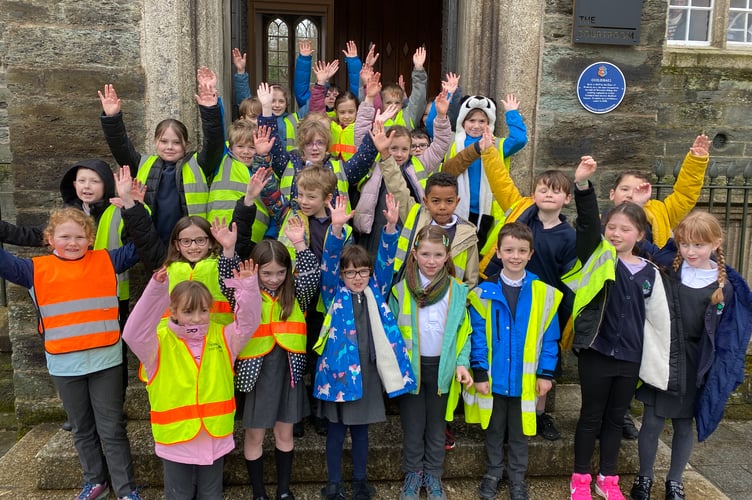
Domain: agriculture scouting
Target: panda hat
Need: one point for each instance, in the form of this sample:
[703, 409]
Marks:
[469, 103]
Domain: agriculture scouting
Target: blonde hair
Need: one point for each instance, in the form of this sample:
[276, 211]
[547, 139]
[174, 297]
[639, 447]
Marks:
[308, 130]
[241, 132]
[249, 107]
[317, 178]
[702, 227]
[69, 214]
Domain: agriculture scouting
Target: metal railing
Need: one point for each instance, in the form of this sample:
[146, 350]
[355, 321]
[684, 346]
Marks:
[726, 194]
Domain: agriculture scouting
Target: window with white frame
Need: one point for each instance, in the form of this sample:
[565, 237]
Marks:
[709, 23]
[690, 22]
[739, 23]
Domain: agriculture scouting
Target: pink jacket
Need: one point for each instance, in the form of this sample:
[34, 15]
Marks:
[140, 335]
[431, 159]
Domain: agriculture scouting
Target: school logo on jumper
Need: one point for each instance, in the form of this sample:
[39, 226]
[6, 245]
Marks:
[646, 288]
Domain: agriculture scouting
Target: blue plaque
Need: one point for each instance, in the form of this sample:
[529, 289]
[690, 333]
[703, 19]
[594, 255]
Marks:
[601, 87]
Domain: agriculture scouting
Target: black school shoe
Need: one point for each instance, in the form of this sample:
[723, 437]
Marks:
[641, 488]
[489, 486]
[333, 491]
[674, 490]
[546, 428]
[298, 429]
[518, 491]
[361, 490]
[628, 430]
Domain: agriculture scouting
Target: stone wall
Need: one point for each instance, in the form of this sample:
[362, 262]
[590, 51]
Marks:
[56, 55]
[623, 138]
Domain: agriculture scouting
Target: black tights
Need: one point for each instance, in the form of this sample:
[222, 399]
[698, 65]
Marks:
[607, 385]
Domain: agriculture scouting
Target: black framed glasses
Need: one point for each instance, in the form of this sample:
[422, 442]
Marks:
[351, 273]
[201, 241]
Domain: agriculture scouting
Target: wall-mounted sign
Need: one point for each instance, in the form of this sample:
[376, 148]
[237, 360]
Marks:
[609, 22]
[601, 87]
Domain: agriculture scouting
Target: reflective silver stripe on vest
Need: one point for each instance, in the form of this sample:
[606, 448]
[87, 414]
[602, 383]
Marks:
[476, 399]
[585, 273]
[80, 305]
[404, 317]
[113, 243]
[527, 405]
[194, 188]
[222, 205]
[80, 329]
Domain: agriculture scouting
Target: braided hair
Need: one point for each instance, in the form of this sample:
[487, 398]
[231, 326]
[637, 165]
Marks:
[702, 227]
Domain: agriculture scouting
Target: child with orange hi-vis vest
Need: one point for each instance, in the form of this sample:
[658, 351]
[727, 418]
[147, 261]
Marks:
[75, 293]
[188, 365]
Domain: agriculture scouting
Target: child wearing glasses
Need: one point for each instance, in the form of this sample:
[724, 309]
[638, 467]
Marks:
[362, 353]
[192, 251]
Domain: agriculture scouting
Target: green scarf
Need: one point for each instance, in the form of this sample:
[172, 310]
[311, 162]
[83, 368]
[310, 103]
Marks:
[433, 292]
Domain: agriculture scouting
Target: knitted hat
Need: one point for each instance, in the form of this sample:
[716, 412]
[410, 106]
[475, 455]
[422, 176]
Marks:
[469, 103]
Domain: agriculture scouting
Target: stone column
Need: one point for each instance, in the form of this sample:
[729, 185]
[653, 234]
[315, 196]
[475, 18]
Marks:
[499, 52]
[179, 36]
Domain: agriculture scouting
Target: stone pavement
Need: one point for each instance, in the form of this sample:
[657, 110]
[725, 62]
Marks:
[725, 459]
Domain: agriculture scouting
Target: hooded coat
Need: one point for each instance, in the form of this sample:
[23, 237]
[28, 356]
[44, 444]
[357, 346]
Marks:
[31, 236]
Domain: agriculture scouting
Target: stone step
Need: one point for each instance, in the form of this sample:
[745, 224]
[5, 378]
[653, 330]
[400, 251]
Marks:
[57, 462]
[19, 477]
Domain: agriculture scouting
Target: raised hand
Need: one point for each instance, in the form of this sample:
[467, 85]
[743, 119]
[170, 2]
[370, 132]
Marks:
[585, 169]
[256, 184]
[339, 215]
[305, 48]
[238, 60]
[511, 103]
[321, 70]
[123, 182]
[332, 68]
[401, 83]
[372, 55]
[391, 213]
[442, 104]
[351, 50]
[264, 95]
[225, 236]
[451, 83]
[373, 84]
[207, 76]
[380, 139]
[487, 140]
[263, 140]
[246, 269]
[365, 74]
[109, 99]
[207, 94]
[295, 230]
[419, 58]
[701, 146]
[642, 193]
[138, 191]
[387, 114]
[160, 275]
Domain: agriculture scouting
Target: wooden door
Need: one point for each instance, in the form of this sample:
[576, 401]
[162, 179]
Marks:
[416, 23]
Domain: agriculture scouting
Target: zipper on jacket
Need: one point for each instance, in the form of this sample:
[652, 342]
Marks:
[603, 313]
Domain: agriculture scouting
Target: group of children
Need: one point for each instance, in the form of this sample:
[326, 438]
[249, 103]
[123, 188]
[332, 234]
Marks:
[451, 286]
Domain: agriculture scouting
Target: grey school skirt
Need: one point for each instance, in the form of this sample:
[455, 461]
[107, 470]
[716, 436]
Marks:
[272, 399]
